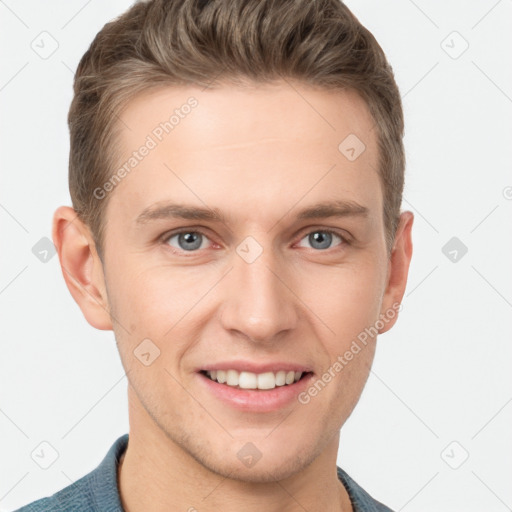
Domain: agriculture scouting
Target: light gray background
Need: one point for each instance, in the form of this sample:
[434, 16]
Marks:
[441, 375]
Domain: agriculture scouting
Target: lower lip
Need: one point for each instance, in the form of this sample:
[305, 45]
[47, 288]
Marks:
[254, 400]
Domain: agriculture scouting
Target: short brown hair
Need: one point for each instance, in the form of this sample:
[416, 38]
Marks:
[202, 42]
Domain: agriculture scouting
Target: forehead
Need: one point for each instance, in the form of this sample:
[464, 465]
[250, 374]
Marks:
[277, 143]
[284, 110]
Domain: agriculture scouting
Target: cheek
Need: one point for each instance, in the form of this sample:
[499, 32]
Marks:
[151, 305]
[346, 299]
[153, 301]
[165, 305]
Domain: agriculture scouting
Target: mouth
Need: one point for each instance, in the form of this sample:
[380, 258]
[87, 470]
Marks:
[255, 392]
[254, 381]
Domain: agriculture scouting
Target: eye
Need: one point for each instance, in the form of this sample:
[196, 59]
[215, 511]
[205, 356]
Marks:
[322, 239]
[193, 240]
[187, 240]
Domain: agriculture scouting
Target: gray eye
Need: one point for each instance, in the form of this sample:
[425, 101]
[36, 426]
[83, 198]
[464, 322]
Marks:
[321, 240]
[188, 241]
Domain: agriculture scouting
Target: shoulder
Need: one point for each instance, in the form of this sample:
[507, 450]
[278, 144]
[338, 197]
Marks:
[361, 500]
[74, 498]
[95, 492]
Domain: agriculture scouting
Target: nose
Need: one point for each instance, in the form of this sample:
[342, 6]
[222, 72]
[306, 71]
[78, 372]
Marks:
[258, 302]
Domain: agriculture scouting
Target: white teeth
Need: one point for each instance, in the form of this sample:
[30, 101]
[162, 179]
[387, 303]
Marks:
[266, 380]
[249, 380]
[280, 378]
[232, 378]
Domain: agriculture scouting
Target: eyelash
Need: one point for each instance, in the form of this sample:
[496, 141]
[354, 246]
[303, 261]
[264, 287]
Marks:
[165, 238]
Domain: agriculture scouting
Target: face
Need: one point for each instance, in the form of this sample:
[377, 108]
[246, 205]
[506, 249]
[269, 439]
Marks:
[245, 239]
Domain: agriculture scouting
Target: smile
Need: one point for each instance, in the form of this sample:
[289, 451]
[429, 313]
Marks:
[255, 392]
[250, 380]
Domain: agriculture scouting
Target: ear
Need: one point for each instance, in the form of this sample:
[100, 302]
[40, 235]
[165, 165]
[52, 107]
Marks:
[81, 267]
[398, 270]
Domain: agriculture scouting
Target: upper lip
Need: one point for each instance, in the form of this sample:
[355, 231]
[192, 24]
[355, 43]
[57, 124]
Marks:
[251, 366]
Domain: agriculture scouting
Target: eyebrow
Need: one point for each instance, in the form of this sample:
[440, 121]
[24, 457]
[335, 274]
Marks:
[162, 211]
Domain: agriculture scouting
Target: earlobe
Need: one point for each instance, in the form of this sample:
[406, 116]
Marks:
[81, 267]
[398, 270]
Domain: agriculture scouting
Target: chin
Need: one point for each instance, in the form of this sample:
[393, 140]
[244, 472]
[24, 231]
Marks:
[261, 472]
[255, 462]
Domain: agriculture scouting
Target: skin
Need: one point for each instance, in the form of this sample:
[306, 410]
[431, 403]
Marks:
[259, 154]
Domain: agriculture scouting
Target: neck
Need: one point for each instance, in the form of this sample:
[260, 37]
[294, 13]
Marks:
[156, 474]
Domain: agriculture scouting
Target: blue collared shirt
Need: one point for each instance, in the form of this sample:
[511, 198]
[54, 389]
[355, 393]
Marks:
[98, 490]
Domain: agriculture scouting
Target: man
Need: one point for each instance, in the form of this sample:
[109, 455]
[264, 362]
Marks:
[236, 172]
